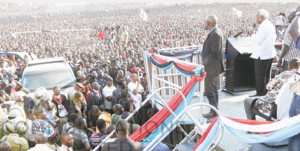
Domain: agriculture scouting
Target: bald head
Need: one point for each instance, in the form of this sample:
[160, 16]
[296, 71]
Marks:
[40, 138]
[95, 86]
[261, 16]
[133, 77]
[211, 21]
[5, 146]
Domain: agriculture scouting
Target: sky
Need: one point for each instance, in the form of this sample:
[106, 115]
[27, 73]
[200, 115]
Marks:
[150, 1]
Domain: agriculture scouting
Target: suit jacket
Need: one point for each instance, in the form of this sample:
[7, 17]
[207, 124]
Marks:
[122, 144]
[93, 99]
[116, 96]
[65, 103]
[212, 53]
[72, 108]
[28, 103]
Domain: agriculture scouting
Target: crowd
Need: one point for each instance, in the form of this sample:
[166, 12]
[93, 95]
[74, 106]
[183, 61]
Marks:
[105, 50]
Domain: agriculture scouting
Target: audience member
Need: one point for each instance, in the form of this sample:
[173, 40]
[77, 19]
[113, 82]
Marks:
[122, 142]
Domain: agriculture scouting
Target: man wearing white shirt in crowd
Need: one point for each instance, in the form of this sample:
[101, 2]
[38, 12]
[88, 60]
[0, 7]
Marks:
[40, 140]
[263, 51]
[135, 90]
[280, 21]
[107, 93]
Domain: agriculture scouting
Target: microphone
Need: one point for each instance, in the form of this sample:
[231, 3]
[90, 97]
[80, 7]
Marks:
[235, 36]
[253, 27]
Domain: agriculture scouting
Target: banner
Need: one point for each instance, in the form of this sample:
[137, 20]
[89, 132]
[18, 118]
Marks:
[269, 131]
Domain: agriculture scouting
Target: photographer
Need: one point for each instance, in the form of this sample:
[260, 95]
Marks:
[100, 78]
[113, 70]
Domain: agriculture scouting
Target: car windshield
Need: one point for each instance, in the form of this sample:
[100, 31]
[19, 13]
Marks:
[48, 80]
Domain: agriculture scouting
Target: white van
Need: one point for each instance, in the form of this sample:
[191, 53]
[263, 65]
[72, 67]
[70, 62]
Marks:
[48, 73]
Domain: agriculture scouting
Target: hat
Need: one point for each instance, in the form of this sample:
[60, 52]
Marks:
[14, 112]
[51, 132]
[17, 95]
[9, 127]
[25, 90]
[21, 93]
[20, 126]
[42, 94]
[79, 85]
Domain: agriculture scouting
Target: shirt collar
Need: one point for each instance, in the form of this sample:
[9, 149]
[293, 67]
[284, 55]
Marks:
[212, 30]
[64, 146]
[264, 22]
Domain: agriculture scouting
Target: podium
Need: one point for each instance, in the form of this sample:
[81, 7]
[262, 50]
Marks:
[239, 71]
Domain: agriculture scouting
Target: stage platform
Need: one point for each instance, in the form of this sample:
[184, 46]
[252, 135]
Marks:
[233, 106]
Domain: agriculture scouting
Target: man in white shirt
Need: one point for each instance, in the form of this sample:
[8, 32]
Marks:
[107, 93]
[279, 21]
[263, 51]
[124, 37]
[135, 90]
[40, 140]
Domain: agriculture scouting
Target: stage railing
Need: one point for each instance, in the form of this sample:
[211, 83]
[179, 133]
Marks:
[143, 103]
[177, 121]
[163, 78]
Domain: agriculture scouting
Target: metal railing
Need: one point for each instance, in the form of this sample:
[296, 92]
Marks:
[158, 78]
[136, 110]
[171, 126]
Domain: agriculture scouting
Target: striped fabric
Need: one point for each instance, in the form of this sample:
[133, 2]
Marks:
[293, 51]
[97, 139]
[269, 131]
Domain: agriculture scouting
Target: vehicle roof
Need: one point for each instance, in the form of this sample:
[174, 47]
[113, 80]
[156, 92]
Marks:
[45, 65]
[46, 61]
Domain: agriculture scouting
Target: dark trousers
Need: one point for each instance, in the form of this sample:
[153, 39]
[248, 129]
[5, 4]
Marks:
[262, 69]
[211, 90]
[31, 144]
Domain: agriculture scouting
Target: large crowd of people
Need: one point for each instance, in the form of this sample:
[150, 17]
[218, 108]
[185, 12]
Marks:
[104, 47]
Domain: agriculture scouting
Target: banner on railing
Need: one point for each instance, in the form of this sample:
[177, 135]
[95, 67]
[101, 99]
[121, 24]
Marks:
[176, 104]
[267, 131]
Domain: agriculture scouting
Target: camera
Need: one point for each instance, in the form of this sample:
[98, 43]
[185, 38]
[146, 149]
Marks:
[114, 60]
[102, 64]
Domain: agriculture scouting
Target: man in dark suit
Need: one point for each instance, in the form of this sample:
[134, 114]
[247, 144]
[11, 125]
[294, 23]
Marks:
[212, 59]
[62, 106]
[95, 97]
[122, 142]
[122, 86]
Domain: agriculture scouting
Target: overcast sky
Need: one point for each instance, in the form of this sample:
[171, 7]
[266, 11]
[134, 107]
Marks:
[150, 1]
